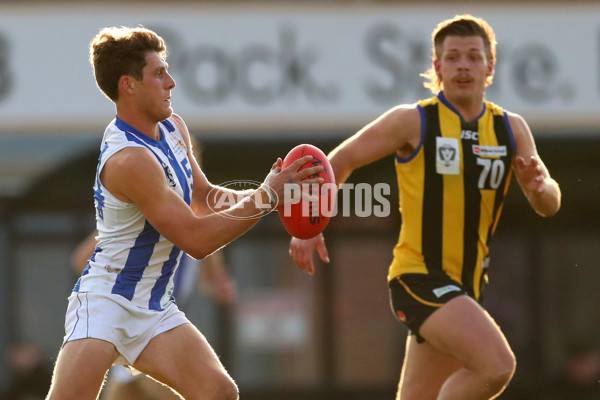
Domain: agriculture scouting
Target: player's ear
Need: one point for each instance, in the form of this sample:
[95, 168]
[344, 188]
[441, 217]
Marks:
[127, 84]
[491, 67]
[437, 67]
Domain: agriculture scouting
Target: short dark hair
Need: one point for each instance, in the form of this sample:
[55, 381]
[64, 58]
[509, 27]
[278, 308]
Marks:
[115, 52]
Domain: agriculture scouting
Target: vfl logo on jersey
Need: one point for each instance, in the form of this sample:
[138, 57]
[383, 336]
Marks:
[169, 175]
[447, 156]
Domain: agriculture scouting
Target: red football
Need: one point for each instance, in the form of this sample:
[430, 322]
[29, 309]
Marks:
[301, 217]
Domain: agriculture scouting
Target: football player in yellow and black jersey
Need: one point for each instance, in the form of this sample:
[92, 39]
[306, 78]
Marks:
[454, 157]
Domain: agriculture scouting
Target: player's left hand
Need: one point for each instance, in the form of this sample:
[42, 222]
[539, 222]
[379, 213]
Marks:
[532, 173]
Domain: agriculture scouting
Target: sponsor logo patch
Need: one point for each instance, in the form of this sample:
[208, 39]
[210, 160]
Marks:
[489, 151]
[439, 292]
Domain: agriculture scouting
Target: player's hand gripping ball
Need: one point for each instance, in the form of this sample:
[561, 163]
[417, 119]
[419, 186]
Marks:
[306, 209]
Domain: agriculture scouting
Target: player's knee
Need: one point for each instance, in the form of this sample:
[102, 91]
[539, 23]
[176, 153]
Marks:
[224, 389]
[230, 391]
[500, 371]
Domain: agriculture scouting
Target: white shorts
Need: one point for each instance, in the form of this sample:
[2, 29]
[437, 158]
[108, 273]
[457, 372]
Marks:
[113, 318]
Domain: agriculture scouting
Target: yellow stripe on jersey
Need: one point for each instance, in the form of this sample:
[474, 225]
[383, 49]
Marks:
[451, 192]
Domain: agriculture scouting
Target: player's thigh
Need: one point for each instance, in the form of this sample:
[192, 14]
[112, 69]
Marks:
[415, 296]
[183, 359]
[116, 390]
[152, 389]
[462, 329]
[423, 360]
[80, 369]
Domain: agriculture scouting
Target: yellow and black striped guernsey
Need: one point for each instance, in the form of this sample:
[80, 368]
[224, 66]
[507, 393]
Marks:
[451, 192]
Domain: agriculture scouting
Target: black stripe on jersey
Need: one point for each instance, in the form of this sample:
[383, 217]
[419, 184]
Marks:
[504, 139]
[433, 193]
[472, 197]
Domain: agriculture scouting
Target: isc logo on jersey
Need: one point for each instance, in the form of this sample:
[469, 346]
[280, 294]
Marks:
[469, 135]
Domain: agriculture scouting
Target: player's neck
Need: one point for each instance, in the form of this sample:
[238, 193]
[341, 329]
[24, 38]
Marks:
[469, 108]
[140, 122]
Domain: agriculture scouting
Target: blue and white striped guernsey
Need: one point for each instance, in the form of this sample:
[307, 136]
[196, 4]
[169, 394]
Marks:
[132, 259]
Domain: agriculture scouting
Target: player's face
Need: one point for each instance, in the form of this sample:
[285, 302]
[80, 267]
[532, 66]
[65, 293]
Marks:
[154, 94]
[464, 67]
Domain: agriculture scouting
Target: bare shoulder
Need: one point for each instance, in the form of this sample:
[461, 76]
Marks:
[516, 121]
[179, 121]
[403, 123]
[406, 114]
[131, 157]
[180, 125]
[127, 168]
[522, 134]
[400, 122]
[185, 133]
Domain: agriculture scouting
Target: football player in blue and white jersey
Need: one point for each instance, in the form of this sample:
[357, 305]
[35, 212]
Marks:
[152, 205]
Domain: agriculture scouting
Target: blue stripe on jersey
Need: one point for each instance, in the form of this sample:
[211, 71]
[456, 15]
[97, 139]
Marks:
[98, 191]
[184, 264]
[78, 283]
[510, 131]
[161, 284]
[137, 260]
[168, 125]
[179, 171]
[450, 106]
[86, 270]
[402, 160]
[136, 136]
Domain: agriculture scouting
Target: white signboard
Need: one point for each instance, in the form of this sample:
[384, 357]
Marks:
[259, 68]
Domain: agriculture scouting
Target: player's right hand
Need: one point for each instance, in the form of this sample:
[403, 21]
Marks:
[301, 252]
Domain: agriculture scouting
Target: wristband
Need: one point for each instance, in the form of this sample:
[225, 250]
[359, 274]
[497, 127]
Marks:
[263, 211]
[272, 198]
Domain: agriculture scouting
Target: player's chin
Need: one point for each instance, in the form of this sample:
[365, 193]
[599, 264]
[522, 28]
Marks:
[166, 113]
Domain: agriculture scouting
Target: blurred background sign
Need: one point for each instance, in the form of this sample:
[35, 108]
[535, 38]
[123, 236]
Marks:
[274, 320]
[261, 67]
[255, 80]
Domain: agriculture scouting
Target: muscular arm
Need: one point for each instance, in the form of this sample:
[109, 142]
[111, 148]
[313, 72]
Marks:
[397, 130]
[542, 192]
[134, 175]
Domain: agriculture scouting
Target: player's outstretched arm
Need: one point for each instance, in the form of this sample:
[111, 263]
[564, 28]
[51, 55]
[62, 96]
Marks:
[397, 130]
[134, 175]
[542, 192]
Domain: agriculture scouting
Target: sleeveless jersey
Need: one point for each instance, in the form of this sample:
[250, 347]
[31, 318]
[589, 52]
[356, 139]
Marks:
[132, 259]
[451, 193]
[186, 281]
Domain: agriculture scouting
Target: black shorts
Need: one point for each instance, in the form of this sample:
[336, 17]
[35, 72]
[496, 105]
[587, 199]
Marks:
[414, 297]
